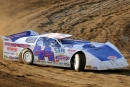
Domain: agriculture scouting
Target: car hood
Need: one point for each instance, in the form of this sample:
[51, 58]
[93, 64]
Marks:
[101, 51]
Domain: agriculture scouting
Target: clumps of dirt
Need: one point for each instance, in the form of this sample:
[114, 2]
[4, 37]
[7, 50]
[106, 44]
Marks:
[9, 80]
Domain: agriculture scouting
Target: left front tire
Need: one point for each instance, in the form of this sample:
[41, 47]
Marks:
[27, 57]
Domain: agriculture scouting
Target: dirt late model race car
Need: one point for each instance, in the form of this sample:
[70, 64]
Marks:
[58, 49]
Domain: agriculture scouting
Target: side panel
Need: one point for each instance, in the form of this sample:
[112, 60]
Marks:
[92, 62]
[12, 50]
[55, 56]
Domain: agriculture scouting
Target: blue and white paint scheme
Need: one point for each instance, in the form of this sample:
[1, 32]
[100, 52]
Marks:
[57, 49]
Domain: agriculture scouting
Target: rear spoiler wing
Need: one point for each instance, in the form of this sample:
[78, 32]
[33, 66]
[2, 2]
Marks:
[14, 37]
[6, 39]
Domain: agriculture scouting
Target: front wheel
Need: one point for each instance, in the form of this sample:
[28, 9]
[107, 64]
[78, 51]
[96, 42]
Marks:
[27, 57]
[79, 62]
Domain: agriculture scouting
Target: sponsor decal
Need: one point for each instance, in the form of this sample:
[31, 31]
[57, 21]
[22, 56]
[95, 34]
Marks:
[66, 64]
[12, 49]
[37, 50]
[95, 68]
[42, 61]
[88, 67]
[57, 60]
[49, 62]
[16, 45]
[5, 56]
[60, 63]
[38, 60]
[46, 52]
[6, 39]
[12, 53]
[17, 54]
[71, 50]
[7, 52]
[18, 35]
[62, 57]
[10, 57]
[111, 57]
[59, 50]
[55, 63]
[16, 57]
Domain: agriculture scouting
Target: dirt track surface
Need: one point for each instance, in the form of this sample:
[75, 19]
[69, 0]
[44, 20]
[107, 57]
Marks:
[93, 20]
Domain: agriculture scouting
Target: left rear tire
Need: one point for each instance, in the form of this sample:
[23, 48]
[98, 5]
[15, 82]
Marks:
[27, 57]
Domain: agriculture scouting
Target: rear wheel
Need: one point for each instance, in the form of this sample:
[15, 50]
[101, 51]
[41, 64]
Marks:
[79, 62]
[27, 57]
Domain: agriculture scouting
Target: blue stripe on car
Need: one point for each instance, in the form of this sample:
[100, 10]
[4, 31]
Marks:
[103, 52]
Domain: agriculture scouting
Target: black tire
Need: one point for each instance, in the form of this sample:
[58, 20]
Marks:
[27, 57]
[79, 61]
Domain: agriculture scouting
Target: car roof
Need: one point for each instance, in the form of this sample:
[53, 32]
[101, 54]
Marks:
[56, 35]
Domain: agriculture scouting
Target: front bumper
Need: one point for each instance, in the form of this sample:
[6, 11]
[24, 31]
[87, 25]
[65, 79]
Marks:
[105, 65]
[113, 64]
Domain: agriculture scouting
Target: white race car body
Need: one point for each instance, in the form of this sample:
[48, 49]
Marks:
[56, 50]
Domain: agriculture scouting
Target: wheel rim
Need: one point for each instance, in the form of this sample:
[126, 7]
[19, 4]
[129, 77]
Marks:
[76, 61]
[27, 57]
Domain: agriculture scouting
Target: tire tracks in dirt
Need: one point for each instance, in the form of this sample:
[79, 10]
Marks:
[97, 20]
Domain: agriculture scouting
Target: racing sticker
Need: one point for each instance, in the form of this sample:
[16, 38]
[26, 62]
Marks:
[95, 68]
[5, 56]
[62, 57]
[49, 62]
[57, 61]
[66, 64]
[6, 52]
[71, 51]
[111, 57]
[11, 57]
[6, 39]
[61, 63]
[59, 50]
[46, 52]
[12, 49]
[16, 45]
[42, 61]
[19, 35]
